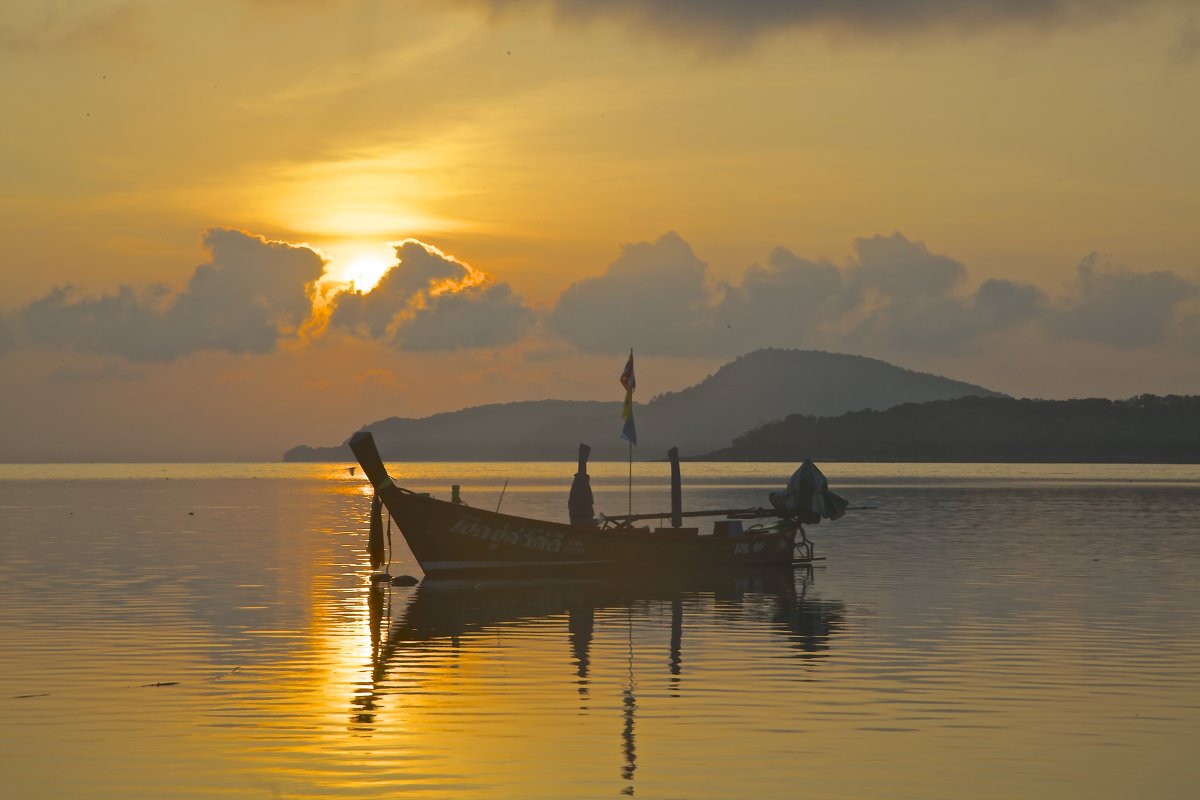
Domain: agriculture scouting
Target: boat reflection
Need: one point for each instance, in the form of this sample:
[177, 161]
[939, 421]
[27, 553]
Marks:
[775, 600]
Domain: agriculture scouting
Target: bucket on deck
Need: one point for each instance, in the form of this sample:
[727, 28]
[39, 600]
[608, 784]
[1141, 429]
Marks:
[727, 527]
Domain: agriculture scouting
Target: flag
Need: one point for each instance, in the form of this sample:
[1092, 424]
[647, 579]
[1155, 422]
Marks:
[629, 430]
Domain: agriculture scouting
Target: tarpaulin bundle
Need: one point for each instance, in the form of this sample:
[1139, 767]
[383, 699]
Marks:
[375, 547]
[808, 497]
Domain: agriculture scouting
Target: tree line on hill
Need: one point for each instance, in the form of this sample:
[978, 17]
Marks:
[1143, 429]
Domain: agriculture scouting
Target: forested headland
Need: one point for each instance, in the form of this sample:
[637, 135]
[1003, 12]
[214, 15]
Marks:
[1144, 429]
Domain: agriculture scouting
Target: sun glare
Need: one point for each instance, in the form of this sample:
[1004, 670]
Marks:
[360, 265]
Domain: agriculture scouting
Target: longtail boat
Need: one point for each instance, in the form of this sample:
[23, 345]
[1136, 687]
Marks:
[451, 538]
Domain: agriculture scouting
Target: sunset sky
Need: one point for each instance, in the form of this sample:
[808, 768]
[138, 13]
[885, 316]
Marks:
[1006, 193]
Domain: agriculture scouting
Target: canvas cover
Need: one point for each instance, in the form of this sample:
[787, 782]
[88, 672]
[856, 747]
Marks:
[807, 496]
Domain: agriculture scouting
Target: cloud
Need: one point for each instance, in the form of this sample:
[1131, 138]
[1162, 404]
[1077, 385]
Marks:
[377, 379]
[723, 24]
[893, 296]
[895, 291]
[8, 333]
[947, 323]
[1189, 333]
[60, 26]
[546, 355]
[432, 301]
[788, 301]
[901, 270]
[1186, 48]
[251, 294]
[127, 322]
[911, 300]
[107, 373]
[999, 303]
[483, 316]
[1121, 308]
[652, 291]
[790, 294]
[418, 267]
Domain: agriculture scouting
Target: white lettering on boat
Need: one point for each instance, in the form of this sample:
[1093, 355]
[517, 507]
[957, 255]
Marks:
[540, 539]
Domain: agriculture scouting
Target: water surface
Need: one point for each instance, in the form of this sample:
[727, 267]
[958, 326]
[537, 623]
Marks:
[989, 631]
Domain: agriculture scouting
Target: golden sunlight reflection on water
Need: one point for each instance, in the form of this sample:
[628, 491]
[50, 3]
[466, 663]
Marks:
[981, 631]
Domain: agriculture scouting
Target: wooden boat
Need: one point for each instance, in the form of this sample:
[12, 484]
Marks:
[450, 538]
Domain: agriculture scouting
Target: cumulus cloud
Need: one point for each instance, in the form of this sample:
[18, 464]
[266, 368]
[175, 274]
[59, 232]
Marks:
[251, 294]
[1186, 49]
[721, 23]
[999, 303]
[892, 295]
[948, 323]
[1121, 308]
[8, 335]
[418, 268]
[789, 301]
[1189, 332]
[484, 316]
[900, 269]
[432, 301]
[893, 291]
[654, 287]
[911, 299]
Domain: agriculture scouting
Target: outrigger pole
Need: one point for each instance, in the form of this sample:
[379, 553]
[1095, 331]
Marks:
[734, 513]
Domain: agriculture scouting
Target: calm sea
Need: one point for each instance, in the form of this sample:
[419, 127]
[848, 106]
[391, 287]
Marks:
[977, 631]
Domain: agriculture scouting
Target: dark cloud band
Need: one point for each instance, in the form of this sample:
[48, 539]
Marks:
[721, 22]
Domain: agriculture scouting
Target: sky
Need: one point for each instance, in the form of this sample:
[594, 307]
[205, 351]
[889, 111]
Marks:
[228, 227]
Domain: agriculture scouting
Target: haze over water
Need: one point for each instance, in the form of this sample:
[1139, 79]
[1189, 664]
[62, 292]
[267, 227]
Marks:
[981, 631]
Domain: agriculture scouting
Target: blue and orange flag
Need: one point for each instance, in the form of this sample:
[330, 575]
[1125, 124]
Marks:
[629, 430]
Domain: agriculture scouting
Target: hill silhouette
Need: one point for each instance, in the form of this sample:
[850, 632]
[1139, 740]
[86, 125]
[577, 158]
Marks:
[1145, 429]
[756, 388]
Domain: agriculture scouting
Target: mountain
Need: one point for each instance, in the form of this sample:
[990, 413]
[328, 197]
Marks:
[754, 389]
[1146, 429]
[531, 430]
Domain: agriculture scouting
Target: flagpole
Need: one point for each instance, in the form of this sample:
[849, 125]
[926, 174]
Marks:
[631, 479]
[628, 430]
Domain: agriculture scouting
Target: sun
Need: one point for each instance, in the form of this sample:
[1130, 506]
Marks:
[365, 270]
[360, 265]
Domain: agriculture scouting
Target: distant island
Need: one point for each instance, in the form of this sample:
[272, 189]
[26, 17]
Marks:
[1145, 429]
[745, 394]
[787, 405]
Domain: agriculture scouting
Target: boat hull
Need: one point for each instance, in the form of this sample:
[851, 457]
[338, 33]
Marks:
[451, 539]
